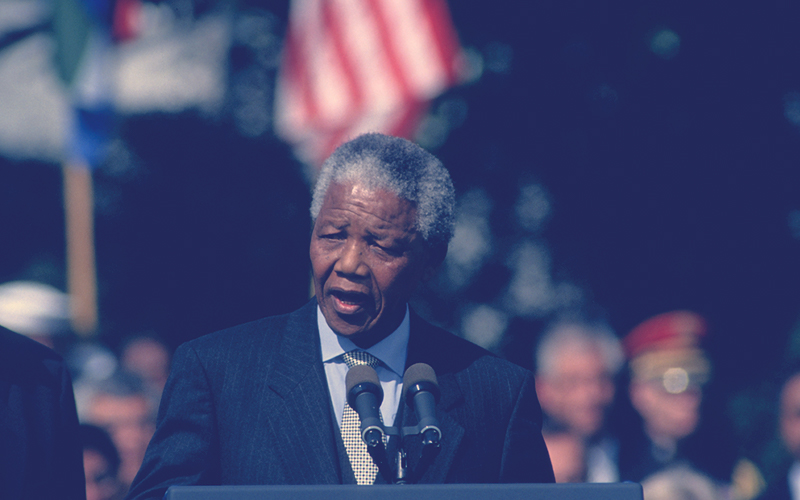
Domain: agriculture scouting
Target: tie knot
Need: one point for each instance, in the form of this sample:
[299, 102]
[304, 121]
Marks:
[355, 358]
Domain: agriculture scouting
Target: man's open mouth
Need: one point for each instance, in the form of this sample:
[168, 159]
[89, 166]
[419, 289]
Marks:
[348, 302]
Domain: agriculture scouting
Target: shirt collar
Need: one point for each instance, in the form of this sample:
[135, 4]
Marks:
[392, 350]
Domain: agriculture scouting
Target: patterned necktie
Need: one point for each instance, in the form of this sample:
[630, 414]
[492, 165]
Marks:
[363, 466]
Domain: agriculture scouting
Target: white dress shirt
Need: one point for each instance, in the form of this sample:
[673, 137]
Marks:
[391, 351]
[601, 461]
[794, 480]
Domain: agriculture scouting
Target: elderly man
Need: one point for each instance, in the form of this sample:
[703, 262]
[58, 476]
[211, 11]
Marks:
[264, 403]
[668, 370]
[576, 364]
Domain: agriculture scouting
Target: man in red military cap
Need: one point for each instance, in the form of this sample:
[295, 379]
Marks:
[668, 368]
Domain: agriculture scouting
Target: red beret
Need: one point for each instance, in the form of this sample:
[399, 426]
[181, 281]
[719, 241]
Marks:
[672, 330]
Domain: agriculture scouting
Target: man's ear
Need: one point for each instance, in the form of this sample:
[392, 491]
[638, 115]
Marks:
[436, 255]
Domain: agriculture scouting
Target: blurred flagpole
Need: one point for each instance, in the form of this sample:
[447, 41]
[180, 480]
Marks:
[81, 270]
[353, 66]
[85, 31]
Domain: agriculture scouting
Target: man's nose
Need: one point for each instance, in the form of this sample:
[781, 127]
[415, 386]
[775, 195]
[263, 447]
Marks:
[351, 260]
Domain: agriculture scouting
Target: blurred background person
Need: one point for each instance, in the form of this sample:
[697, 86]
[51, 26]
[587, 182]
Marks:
[576, 365]
[147, 355]
[122, 407]
[100, 464]
[40, 453]
[682, 483]
[668, 369]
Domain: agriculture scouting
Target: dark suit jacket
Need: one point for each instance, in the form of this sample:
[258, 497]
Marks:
[250, 405]
[40, 449]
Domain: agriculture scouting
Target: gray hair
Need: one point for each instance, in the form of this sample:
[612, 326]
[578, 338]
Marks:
[576, 334]
[401, 167]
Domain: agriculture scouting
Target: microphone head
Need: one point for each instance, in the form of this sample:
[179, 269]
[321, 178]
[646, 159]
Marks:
[419, 377]
[362, 378]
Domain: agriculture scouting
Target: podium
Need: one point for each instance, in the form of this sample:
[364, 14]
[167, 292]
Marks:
[572, 491]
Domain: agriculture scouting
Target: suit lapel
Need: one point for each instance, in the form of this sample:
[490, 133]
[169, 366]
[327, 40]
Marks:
[425, 345]
[305, 429]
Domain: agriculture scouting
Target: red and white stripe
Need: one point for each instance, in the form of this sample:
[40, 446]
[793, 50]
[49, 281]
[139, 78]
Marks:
[354, 66]
[127, 20]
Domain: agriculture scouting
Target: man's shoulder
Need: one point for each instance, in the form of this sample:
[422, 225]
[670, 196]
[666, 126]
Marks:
[20, 355]
[450, 353]
[262, 330]
[15, 345]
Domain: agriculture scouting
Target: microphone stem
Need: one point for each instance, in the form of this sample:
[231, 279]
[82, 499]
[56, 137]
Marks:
[402, 467]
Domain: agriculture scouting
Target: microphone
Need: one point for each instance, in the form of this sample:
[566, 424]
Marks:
[364, 395]
[421, 391]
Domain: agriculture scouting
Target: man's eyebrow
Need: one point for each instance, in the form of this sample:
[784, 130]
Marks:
[387, 237]
[380, 232]
[378, 236]
[335, 223]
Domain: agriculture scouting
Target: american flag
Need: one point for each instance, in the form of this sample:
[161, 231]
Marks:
[353, 66]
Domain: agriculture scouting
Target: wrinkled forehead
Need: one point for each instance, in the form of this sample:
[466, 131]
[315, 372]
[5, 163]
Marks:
[369, 189]
[580, 361]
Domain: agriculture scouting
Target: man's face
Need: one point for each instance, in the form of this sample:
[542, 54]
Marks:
[666, 416]
[101, 484]
[790, 416]
[127, 419]
[367, 259]
[149, 360]
[580, 391]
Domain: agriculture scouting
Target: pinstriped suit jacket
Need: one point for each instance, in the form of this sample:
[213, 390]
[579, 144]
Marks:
[250, 405]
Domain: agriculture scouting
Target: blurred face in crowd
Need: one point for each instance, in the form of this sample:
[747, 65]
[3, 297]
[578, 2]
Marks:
[148, 359]
[579, 391]
[367, 259]
[128, 420]
[790, 416]
[667, 417]
[101, 484]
